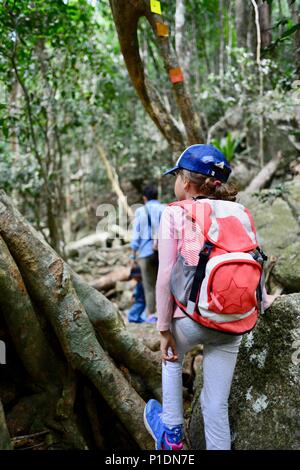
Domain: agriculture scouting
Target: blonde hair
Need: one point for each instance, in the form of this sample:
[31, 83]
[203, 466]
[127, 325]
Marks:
[206, 186]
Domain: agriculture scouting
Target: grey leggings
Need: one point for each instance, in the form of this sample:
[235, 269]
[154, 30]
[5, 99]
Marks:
[149, 268]
[219, 358]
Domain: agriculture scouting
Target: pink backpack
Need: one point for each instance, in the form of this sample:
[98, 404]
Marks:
[217, 278]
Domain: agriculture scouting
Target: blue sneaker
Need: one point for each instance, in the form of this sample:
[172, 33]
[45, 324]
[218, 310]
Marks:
[165, 438]
[151, 319]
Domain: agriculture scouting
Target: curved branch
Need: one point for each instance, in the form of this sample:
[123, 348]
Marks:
[126, 17]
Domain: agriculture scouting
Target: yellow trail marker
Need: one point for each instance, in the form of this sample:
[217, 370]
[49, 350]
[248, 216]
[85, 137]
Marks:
[155, 6]
[162, 30]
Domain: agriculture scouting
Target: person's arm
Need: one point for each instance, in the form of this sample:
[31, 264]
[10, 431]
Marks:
[268, 299]
[136, 236]
[167, 246]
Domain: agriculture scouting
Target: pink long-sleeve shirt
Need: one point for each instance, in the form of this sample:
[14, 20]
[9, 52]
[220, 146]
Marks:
[170, 244]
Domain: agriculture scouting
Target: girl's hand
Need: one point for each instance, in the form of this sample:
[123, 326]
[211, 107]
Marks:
[167, 342]
[269, 300]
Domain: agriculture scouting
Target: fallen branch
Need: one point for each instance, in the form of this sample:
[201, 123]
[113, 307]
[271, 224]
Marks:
[265, 175]
[109, 281]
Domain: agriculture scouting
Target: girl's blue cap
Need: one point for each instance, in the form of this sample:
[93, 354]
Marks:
[204, 159]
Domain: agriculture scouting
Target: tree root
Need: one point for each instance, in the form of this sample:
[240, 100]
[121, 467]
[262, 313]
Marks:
[41, 278]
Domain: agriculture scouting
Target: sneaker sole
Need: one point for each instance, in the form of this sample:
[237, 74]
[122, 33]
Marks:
[147, 426]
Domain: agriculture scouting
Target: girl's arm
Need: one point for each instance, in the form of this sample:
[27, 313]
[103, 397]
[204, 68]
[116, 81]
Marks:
[168, 248]
[268, 299]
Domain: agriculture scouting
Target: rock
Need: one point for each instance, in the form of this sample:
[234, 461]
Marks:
[234, 117]
[241, 175]
[265, 394]
[293, 195]
[287, 268]
[276, 215]
[275, 224]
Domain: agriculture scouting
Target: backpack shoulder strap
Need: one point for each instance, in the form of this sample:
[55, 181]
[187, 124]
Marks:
[197, 211]
[149, 221]
[199, 276]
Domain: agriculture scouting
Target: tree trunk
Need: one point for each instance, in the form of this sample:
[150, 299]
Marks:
[296, 19]
[119, 343]
[179, 30]
[222, 41]
[113, 178]
[5, 442]
[242, 16]
[38, 297]
[265, 23]
[126, 16]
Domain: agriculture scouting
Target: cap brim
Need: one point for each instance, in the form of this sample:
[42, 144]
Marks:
[171, 171]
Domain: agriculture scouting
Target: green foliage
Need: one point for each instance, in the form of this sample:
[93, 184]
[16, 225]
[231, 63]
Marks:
[60, 72]
[227, 145]
[64, 88]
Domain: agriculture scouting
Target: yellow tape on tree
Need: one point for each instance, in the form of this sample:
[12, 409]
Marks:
[155, 6]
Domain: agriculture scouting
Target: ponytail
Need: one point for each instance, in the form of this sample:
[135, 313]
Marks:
[211, 187]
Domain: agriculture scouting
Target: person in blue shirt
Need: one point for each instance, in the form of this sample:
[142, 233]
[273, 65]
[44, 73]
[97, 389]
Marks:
[136, 313]
[144, 251]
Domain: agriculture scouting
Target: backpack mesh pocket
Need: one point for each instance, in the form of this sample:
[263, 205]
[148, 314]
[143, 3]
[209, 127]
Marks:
[181, 280]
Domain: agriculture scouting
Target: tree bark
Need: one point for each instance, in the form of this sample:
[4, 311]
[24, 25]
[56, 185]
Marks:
[23, 324]
[57, 299]
[118, 341]
[242, 16]
[113, 178]
[5, 442]
[222, 41]
[296, 20]
[179, 30]
[52, 381]
[265, 21]
[126, 16]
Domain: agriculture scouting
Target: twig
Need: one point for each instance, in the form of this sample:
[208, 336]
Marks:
[257, 31]
[261, 83]
[29, 436]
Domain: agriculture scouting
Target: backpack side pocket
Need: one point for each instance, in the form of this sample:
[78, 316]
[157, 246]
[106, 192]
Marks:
[181, 280]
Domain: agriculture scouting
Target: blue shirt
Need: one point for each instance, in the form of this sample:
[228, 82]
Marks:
[141, 236]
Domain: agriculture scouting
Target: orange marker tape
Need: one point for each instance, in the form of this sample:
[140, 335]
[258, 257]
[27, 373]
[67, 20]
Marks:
[155, 6]
[176, 75]
[162, 30]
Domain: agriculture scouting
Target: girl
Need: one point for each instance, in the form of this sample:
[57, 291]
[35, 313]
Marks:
[201, 173]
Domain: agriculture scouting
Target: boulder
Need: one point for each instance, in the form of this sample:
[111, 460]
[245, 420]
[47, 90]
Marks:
[287, 268]
[265, 395]
[276, 215]
[241, 175]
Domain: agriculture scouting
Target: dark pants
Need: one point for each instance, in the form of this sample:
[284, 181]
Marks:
[149, 268]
